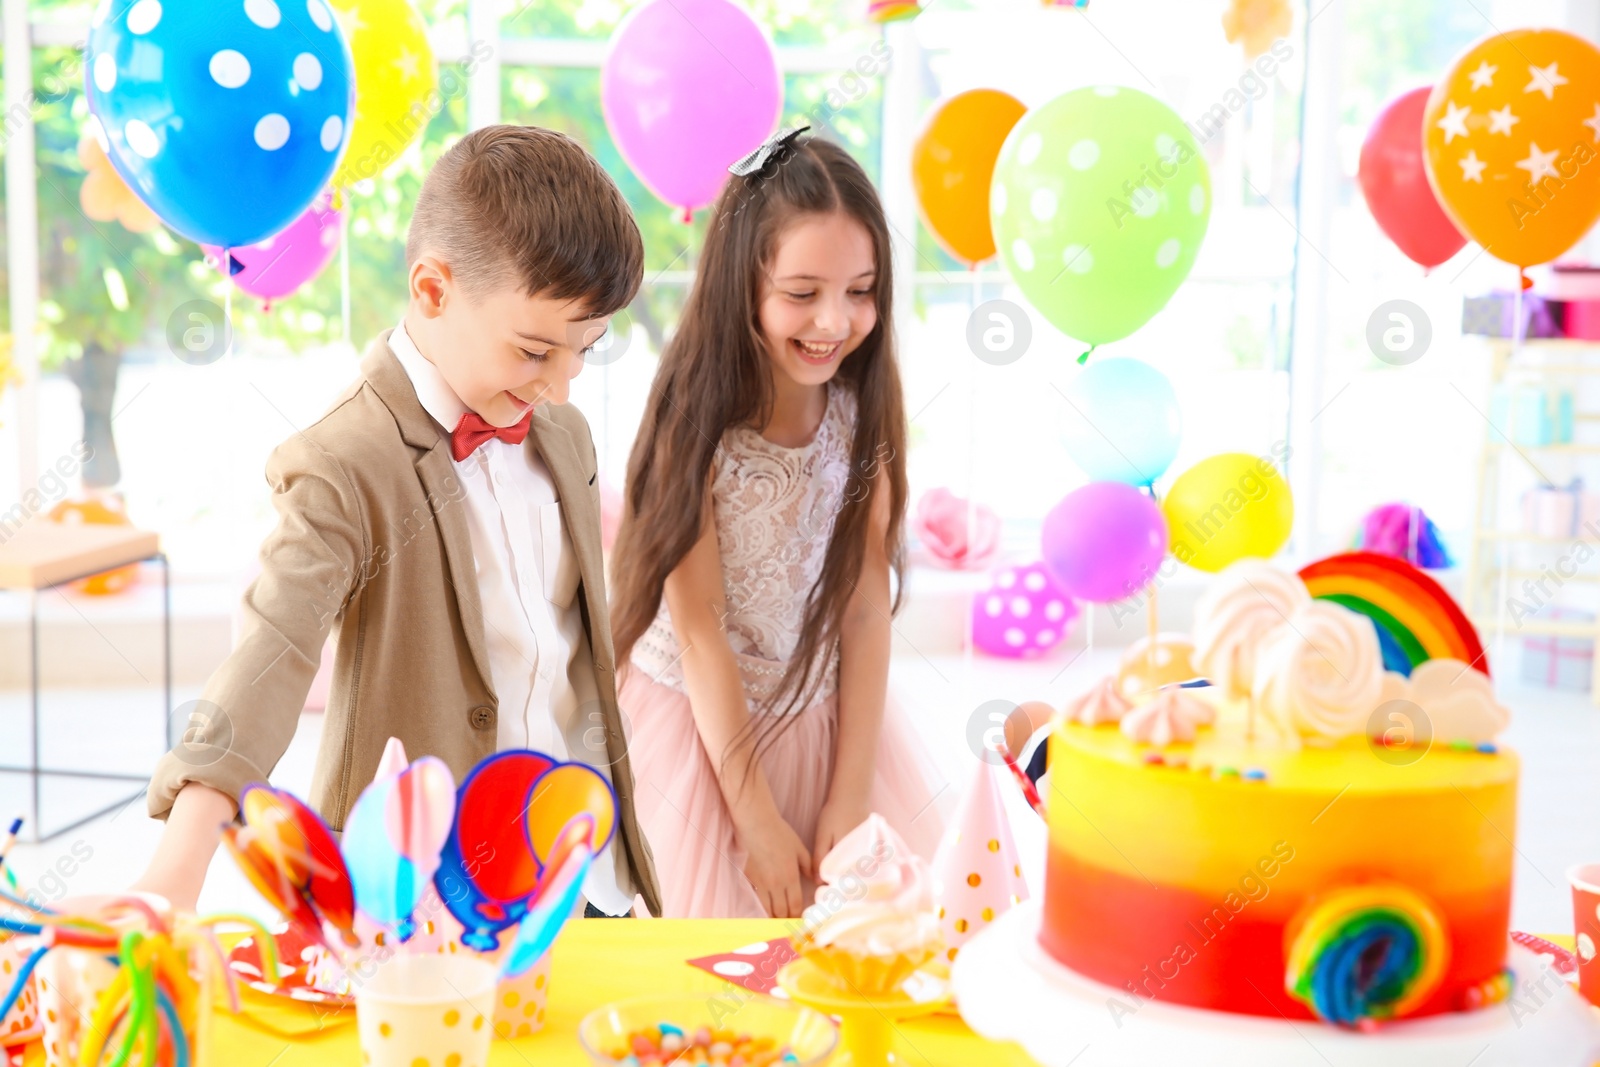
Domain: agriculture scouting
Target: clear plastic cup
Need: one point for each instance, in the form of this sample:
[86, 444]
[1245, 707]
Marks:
[433, 1007]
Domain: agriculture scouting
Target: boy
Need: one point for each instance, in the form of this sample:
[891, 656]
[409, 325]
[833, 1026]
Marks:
[445, 516]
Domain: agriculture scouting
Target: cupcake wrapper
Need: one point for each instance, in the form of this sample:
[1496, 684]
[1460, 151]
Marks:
[866, 975]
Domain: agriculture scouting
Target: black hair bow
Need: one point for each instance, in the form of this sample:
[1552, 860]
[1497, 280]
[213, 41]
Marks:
[771, 147]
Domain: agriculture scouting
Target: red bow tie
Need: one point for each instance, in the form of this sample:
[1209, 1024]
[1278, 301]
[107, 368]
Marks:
[472, 431]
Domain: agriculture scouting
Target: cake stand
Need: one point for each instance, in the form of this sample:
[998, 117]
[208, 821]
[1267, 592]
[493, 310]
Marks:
[866, 1023]
[1009, 988]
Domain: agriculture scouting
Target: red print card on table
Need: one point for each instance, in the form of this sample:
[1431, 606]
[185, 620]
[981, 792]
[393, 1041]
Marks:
[754, 967]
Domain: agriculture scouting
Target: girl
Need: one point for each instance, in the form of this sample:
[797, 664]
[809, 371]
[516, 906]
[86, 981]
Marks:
[764, 507]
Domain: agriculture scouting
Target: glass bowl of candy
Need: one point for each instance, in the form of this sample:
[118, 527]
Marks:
[741, 1030]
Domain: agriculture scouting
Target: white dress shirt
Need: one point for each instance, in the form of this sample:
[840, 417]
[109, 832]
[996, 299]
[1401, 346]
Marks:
[527, 584]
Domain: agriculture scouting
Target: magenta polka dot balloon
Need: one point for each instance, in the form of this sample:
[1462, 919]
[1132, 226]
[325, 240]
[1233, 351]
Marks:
[1023, 613]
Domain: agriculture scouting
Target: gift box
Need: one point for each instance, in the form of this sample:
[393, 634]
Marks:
[1532, 416]
[1559, 661]
[1551, 510]
[1494, 315]
[1581, 320]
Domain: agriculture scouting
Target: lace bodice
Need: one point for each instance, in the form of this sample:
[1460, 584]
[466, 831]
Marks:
[775, 508]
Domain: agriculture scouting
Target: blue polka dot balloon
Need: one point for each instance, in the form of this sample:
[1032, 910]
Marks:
[226, 116]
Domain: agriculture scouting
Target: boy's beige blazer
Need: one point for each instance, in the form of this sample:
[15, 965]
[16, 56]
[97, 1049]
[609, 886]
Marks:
[371, 538]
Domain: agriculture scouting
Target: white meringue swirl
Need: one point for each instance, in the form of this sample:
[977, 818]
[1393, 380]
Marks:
[1247, 604]
[1174, 715]
[1321, 676]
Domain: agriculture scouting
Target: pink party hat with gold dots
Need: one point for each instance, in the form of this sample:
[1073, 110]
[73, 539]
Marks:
[977, 874]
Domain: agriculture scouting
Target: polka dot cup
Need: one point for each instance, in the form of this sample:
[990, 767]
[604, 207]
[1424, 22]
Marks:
[1585, 880]
[22, 1021]
[1022, 614]
[519, 1002]
[427, 1011]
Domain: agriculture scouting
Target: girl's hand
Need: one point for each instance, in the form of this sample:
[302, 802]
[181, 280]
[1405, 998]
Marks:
[836, 819]
[775, 862]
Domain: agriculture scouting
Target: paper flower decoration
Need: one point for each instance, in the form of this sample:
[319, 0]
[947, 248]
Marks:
[952, 538]
[105, 197]
[1257, 23]
[977, 873]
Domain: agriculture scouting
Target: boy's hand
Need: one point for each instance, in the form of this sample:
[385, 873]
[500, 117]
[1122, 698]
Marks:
[775, 862]
[194, 829]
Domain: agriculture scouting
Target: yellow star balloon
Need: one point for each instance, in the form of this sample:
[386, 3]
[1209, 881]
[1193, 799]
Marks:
[396, 87]
[1511, 138]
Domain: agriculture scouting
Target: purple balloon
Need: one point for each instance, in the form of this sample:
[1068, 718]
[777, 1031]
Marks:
[1103, 542]
[276, 267]
[687, 88]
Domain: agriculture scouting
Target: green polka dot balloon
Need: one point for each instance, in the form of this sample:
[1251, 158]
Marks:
[1100, 201]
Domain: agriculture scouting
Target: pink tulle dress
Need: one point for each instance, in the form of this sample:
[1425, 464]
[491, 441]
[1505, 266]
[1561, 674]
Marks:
[774, 513]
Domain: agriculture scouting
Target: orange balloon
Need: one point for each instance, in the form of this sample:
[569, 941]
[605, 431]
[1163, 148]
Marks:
[1511, 136]
[952, 164]
[96, 512]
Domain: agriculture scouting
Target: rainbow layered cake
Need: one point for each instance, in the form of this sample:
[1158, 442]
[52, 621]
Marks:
[1323, 832]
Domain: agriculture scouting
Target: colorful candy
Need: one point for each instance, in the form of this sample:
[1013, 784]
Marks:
[1366, 953]
[665, 1043]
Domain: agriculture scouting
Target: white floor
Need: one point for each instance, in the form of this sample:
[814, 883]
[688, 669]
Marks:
[1557, 734]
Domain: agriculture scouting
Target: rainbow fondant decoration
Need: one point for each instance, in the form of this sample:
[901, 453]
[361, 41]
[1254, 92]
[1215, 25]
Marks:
[1415, 618]
[1366, 953]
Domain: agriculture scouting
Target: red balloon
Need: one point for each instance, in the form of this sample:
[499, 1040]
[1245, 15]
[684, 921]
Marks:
[1395, 183]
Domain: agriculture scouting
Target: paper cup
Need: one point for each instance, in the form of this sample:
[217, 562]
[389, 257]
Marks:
[69, 981]
[1585, 879]
[433, 1008]
[21, 1023]
[519, 1003]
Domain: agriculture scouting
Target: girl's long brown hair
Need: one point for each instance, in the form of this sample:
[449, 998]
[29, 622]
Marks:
[715, 373]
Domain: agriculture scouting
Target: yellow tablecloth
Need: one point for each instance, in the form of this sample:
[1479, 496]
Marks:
[597, 961]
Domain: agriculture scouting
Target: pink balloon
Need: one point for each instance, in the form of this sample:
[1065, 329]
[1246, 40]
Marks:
[1022, 614]
[1103, 542]
[276, 267]
[687, 88]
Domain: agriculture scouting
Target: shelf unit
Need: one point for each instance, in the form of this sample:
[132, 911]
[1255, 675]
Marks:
[1491, 563]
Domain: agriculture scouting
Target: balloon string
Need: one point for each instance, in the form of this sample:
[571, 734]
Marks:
[1087, 353]
[227, 306]
[344, 270]
[968, 667]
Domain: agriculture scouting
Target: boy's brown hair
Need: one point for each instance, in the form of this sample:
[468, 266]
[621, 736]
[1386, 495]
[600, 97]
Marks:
[526, 206]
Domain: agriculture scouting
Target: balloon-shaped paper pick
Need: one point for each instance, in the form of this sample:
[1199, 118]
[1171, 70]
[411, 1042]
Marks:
[393, 838]
[561, 793]
[510, 814]
[288, 854]
[556, 901]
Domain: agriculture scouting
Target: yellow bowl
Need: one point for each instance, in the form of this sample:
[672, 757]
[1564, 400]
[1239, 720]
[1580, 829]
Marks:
[810, 1035]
